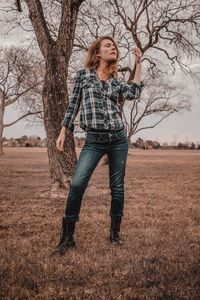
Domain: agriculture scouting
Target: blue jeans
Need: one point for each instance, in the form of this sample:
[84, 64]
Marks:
[115, 145]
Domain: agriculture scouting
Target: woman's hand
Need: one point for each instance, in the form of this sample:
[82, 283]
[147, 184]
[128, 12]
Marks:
[61, 139]
[60, 142]
[138, 55]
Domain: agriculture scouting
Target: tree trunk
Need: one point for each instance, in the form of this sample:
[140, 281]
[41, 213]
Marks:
[57, 55]
[54, 101]
[129, 138]
[1, 130]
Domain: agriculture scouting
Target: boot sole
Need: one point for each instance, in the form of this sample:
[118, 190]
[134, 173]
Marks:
[62, 251]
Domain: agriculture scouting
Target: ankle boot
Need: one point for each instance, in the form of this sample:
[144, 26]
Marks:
[114, 230]
[67, 238]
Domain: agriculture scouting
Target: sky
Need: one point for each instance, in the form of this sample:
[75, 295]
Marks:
[181, 127]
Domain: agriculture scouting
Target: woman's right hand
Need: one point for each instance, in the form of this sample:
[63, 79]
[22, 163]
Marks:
[60, 141]
[138, 55]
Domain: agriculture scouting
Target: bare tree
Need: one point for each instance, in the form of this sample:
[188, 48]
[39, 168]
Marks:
[160, 100]
[19, 82]
[167, 34]
[56, 50]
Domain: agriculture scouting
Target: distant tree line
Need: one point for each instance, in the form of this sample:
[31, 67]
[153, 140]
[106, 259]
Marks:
[36, 141]
[148, 144]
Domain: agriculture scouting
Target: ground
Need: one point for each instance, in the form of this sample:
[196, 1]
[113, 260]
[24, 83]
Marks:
[160, 258]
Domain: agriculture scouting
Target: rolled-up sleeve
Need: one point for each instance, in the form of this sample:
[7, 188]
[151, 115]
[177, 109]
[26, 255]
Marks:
[131, 90]
[74, 103]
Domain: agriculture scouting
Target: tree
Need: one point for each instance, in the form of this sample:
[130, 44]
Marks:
[192, 146]
[162, 30]
[161, 99]
[56, 51]
[19, 83]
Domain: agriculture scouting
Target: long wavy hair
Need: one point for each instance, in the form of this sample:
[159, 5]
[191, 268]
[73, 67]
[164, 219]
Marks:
[92, 61]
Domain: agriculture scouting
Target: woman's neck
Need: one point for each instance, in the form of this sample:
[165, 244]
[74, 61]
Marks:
[101, 71]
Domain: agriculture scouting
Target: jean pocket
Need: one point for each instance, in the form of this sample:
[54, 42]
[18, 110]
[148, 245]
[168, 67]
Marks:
[122, 134]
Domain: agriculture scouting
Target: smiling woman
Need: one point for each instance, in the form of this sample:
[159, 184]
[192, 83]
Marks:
[96, 90]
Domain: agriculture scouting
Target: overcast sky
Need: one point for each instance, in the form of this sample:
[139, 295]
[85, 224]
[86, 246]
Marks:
[178, 127]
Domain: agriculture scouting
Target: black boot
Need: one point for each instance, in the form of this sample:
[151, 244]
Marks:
[114, 230]
[67, 238]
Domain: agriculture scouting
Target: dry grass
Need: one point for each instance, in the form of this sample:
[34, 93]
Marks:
[161, 228]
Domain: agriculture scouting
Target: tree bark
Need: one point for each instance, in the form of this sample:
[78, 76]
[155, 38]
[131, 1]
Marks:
[54, 101]
[1, 129]
[55, 97]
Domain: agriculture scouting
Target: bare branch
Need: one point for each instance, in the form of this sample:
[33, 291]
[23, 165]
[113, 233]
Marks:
[20, 118]
[77, 3]
[18, 5]
[155, 124]
[42, 33]
[67, 27]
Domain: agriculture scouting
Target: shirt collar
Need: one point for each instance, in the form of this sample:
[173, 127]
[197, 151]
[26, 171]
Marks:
[93, 71]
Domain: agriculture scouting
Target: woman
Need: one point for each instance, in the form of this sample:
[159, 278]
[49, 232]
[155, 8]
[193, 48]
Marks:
[97, 90]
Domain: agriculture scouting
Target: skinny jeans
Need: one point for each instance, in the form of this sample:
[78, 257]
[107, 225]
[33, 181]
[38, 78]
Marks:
[115, 145]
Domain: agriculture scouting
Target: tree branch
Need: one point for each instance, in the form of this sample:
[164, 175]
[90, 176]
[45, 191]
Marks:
[77, 3]
[20, 118]
[66, 31]
[156, 123]
[18, 5]
[17, 96]
[38, 21]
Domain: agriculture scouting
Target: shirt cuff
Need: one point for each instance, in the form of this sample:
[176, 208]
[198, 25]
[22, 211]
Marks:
[140, 85]
[71, 126]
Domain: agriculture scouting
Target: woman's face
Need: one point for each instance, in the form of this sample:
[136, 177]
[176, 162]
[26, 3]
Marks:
[108, 51]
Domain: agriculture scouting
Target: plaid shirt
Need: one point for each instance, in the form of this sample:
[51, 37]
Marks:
[98, 102]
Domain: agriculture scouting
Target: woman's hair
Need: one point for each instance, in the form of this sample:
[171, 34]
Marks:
[92, 61]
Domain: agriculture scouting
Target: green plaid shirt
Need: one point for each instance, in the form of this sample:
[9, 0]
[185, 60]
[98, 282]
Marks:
[98, 102]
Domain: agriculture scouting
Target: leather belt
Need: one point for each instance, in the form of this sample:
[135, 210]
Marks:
[92, 130]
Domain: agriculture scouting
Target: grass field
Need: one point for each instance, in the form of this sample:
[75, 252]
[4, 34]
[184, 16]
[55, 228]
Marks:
[160, 258]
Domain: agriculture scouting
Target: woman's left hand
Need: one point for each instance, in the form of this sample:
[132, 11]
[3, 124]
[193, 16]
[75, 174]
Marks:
[138, 55]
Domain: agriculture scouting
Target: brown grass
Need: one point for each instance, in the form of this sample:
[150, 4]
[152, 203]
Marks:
[161, 229]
